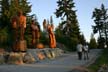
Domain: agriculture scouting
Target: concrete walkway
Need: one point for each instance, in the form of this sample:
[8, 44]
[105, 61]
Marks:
[64, 63]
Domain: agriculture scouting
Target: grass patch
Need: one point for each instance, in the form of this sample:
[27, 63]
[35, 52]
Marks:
[102, 59]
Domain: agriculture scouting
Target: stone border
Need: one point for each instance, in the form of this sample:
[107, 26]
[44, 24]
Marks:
[31, 56]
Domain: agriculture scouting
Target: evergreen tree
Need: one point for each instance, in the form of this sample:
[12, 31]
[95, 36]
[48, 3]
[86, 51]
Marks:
[25, 6]
[104, 21]
[67, 14]
[101, 42]
[58, 31]
[98, 26]
[101, 20]
[4, 23]
[82, 39]
[69, 25]
[4, 19]
[92, 43]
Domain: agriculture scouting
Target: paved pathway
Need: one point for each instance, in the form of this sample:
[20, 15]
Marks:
[65, 63]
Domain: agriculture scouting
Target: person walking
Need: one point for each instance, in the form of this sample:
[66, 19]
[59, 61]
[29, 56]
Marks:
[79, 51]
[85, 50]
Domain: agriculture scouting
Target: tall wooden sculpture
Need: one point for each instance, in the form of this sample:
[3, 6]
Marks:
[49, 28]
[35, 33]
[19, 26]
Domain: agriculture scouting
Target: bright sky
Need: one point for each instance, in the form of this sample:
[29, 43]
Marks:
[46, 8]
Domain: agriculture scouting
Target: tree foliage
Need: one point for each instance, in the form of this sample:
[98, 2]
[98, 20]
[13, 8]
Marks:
[100, 17]
[67, 14]
[92, 43]
[82, 39]
[69, 26]
[10, 8]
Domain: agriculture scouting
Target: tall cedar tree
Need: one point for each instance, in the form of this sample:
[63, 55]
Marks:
[65, 11]
[101, 23]
[69, 25]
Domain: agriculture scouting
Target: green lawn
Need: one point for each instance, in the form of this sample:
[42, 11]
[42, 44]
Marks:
[103, 59]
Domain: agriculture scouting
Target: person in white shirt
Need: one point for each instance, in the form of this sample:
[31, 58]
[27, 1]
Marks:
[85, 50]
[79, 51]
